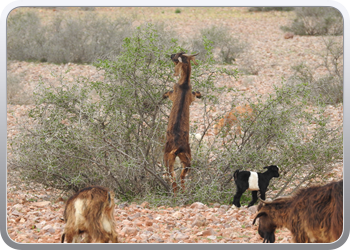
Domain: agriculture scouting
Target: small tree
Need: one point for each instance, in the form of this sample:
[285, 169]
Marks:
[328, 87]
[316, 21]
[226, 48]
[59, 39]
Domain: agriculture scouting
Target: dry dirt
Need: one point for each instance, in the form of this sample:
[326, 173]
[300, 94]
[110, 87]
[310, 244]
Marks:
[34, 213]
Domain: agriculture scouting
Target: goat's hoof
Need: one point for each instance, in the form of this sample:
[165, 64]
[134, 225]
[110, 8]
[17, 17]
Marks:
[234, 206]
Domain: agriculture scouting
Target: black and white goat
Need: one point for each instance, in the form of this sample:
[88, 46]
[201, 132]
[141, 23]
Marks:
[253, 181]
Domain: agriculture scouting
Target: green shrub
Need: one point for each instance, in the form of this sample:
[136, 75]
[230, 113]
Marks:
[225, 46]
[16, 94]
[316, 21]
[25, 36]
[265, 9]
[81, 38]
[326, 88]
[85, 8]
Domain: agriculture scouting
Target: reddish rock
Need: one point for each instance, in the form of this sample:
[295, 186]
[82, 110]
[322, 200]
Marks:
[217, 205]
[145, 204]
[178, 215]
[198, 205]
[136, 215]
[208, 231]
[137, 223]
[288, 35]
[41, 203]
[149, 223]
[199, 221]
[129, 231]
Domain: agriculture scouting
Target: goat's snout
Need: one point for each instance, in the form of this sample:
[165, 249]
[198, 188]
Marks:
[172, 56]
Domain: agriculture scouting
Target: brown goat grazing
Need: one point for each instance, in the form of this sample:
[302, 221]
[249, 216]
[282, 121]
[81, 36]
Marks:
[90, 211]
[313, 215]
[231, 119]
[177, 135]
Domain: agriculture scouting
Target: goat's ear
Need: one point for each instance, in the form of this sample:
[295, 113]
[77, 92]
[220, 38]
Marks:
[259, 215]
[192, 58]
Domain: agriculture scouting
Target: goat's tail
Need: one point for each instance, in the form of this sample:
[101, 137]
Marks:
[177, 151]
[235, 174]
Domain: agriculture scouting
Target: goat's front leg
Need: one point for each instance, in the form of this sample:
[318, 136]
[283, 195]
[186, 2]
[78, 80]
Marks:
[255, 198]
[262, 194]
[69, 237]
[114, 237]
[169, 95]
[88, 238]
[196, 94]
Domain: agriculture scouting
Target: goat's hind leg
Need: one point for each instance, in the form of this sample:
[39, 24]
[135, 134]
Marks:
[113, 236]
[169, 160]
[110, 230]
[262, 194]
[104, 239]
[237, 197]
[186, 166]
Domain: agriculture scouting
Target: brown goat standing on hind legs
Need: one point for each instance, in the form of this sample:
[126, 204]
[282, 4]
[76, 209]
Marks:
[90, 211]
[313, 215]
[177, 135]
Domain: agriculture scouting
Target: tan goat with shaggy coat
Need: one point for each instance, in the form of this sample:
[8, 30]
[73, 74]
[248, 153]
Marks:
[90, 211]
[177, 135]
[313, 215]
[232, 119]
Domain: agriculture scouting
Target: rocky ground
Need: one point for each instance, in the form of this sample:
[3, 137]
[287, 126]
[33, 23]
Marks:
[35, 213]
[35, 216]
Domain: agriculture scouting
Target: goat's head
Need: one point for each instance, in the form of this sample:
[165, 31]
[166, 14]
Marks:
[274, 170]
[90, 211]
[267, 227]
[182, 58]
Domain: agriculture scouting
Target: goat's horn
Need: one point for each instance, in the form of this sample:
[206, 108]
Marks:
[189, 55]
[262, 201]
